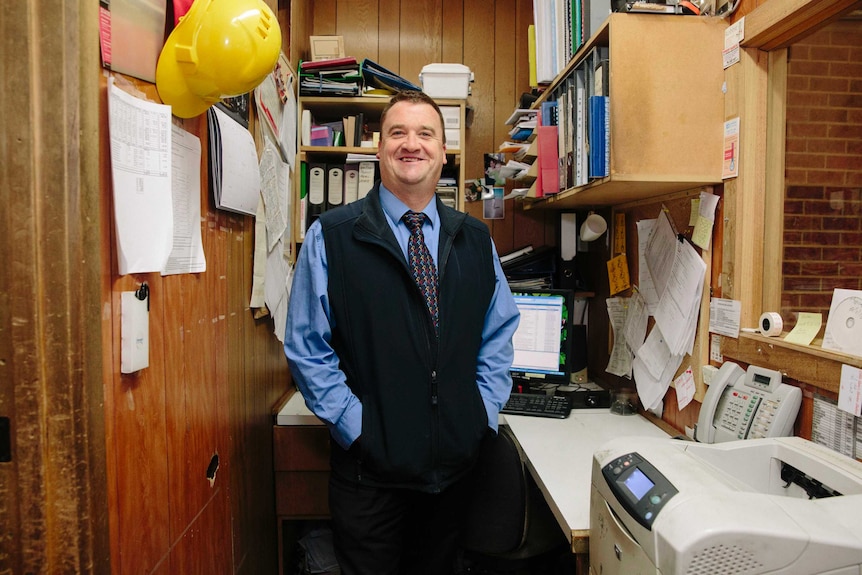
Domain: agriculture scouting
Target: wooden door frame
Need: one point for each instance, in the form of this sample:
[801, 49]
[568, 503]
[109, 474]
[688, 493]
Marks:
[54, 488]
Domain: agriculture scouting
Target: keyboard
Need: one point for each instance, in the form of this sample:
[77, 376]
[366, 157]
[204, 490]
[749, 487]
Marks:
[539, 405]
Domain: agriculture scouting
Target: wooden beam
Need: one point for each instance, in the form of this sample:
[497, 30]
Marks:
[778, 24]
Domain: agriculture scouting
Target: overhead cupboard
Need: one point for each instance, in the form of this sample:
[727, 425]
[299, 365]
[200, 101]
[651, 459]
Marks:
[660, 79]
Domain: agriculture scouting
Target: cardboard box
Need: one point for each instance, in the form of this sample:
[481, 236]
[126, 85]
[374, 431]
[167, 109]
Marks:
[446, 80]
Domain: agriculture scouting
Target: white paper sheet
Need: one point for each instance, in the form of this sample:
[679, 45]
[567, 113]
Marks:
[646, 287]
[140, 134]
[620, 361]
[187, 253]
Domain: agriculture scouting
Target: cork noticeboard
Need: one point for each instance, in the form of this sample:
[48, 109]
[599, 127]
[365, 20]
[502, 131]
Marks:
[679, 210]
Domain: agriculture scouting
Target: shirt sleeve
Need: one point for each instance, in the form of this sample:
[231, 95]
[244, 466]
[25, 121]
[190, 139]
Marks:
[497, 351]
[307, 345]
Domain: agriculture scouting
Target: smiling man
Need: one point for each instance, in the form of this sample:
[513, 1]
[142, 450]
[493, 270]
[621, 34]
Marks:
[399, 336]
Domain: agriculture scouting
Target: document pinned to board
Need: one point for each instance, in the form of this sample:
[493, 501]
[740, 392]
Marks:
[233, 164]
[140, 135]
[187, 251]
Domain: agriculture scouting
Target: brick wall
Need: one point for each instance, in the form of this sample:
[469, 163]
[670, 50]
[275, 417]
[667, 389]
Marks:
[823, 173]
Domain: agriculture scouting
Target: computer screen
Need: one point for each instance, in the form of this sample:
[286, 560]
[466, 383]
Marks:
[543, 341]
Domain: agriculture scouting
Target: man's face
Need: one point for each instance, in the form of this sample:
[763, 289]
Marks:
[411, 151]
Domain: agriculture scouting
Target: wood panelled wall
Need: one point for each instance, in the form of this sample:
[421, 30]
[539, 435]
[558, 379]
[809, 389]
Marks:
[215, 374]
[405, 35]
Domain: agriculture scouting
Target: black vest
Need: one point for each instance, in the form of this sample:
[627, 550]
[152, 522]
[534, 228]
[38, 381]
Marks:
[423, 417]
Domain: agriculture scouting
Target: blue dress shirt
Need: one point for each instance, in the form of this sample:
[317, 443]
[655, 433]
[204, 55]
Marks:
[308, 335]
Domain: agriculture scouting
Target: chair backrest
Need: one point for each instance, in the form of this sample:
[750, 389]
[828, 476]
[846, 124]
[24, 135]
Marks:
[498, 515]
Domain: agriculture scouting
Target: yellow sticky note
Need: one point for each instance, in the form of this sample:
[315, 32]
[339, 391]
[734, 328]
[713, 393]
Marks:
[702, 234]
[619, 233]
[806, 329]
[618, 274]
[695, 212]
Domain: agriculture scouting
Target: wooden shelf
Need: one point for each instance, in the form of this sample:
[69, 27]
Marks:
[334, 108]
[666, 108]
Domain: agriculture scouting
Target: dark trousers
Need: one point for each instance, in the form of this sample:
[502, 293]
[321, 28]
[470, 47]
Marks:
[381, 531]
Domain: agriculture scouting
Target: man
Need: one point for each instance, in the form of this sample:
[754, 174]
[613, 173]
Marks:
[409, 384]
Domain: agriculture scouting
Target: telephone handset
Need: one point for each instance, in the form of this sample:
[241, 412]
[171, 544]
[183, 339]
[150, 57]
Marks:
[747, 405]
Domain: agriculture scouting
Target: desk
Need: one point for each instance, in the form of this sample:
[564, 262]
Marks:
[559, 455]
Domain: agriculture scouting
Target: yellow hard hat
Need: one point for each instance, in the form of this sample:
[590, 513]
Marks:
[219, 49]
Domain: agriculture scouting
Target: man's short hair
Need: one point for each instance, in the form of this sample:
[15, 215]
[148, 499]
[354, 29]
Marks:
[414, 97]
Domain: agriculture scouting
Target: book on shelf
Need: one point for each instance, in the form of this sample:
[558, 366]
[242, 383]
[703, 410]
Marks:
[548, 160]
[599, 135]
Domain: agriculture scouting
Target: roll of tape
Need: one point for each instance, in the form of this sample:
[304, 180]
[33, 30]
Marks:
[771, 324]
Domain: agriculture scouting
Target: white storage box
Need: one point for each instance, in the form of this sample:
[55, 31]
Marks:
[451, 117]
[446, 80]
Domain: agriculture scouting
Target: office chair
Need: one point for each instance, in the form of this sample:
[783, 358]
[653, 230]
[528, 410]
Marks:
[509, 524]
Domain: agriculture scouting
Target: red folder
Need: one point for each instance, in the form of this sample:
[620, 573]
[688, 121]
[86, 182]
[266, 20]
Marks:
[548, 157]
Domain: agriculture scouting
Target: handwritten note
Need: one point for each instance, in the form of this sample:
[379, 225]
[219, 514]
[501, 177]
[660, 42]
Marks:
[619, 233]
[806, 329]
[685, 388]
[618, 274]
[850, 390]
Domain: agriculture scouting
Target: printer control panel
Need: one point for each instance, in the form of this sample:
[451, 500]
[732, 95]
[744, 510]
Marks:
[639, 487]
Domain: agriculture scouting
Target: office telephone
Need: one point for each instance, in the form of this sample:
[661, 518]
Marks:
[747, 404]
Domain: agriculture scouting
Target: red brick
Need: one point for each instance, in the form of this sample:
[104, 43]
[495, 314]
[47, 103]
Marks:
[819, 268]
[848, 282]
[806, 192]
[849, 223]
[806, 160]
[822, 238]
[826, 146]
[825, 177]
[789, 268]
[807, 99]
[828, 115]
[845, 100]
[803, 254]
[831, 84]
[846, 163]
[802, 283]
[807, 130]
[846, 131]
[801, 222]
[829, 53]
[841, 254]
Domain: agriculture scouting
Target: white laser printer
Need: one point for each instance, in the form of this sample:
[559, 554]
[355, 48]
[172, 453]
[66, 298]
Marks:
[781, 505]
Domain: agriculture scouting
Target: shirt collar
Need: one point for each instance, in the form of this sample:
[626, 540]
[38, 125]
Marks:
[395, 208]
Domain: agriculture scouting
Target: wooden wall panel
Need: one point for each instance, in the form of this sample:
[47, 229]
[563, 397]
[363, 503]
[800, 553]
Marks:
[452, 35]
[479, 56]
[389, 35]
[358, 23]
[420, 36]
[505, 62]
[325, 18]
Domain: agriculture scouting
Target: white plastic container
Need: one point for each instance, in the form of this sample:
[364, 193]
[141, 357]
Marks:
[446, 80]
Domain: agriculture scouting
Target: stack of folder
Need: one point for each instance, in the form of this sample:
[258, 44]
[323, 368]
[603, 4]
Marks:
[334, 77]
[376, 76]
[530, 268]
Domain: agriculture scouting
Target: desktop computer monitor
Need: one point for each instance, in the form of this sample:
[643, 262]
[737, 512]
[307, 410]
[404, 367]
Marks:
[543, 340]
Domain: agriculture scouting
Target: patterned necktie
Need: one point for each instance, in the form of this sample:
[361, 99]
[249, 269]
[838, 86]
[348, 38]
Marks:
[421, 262]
